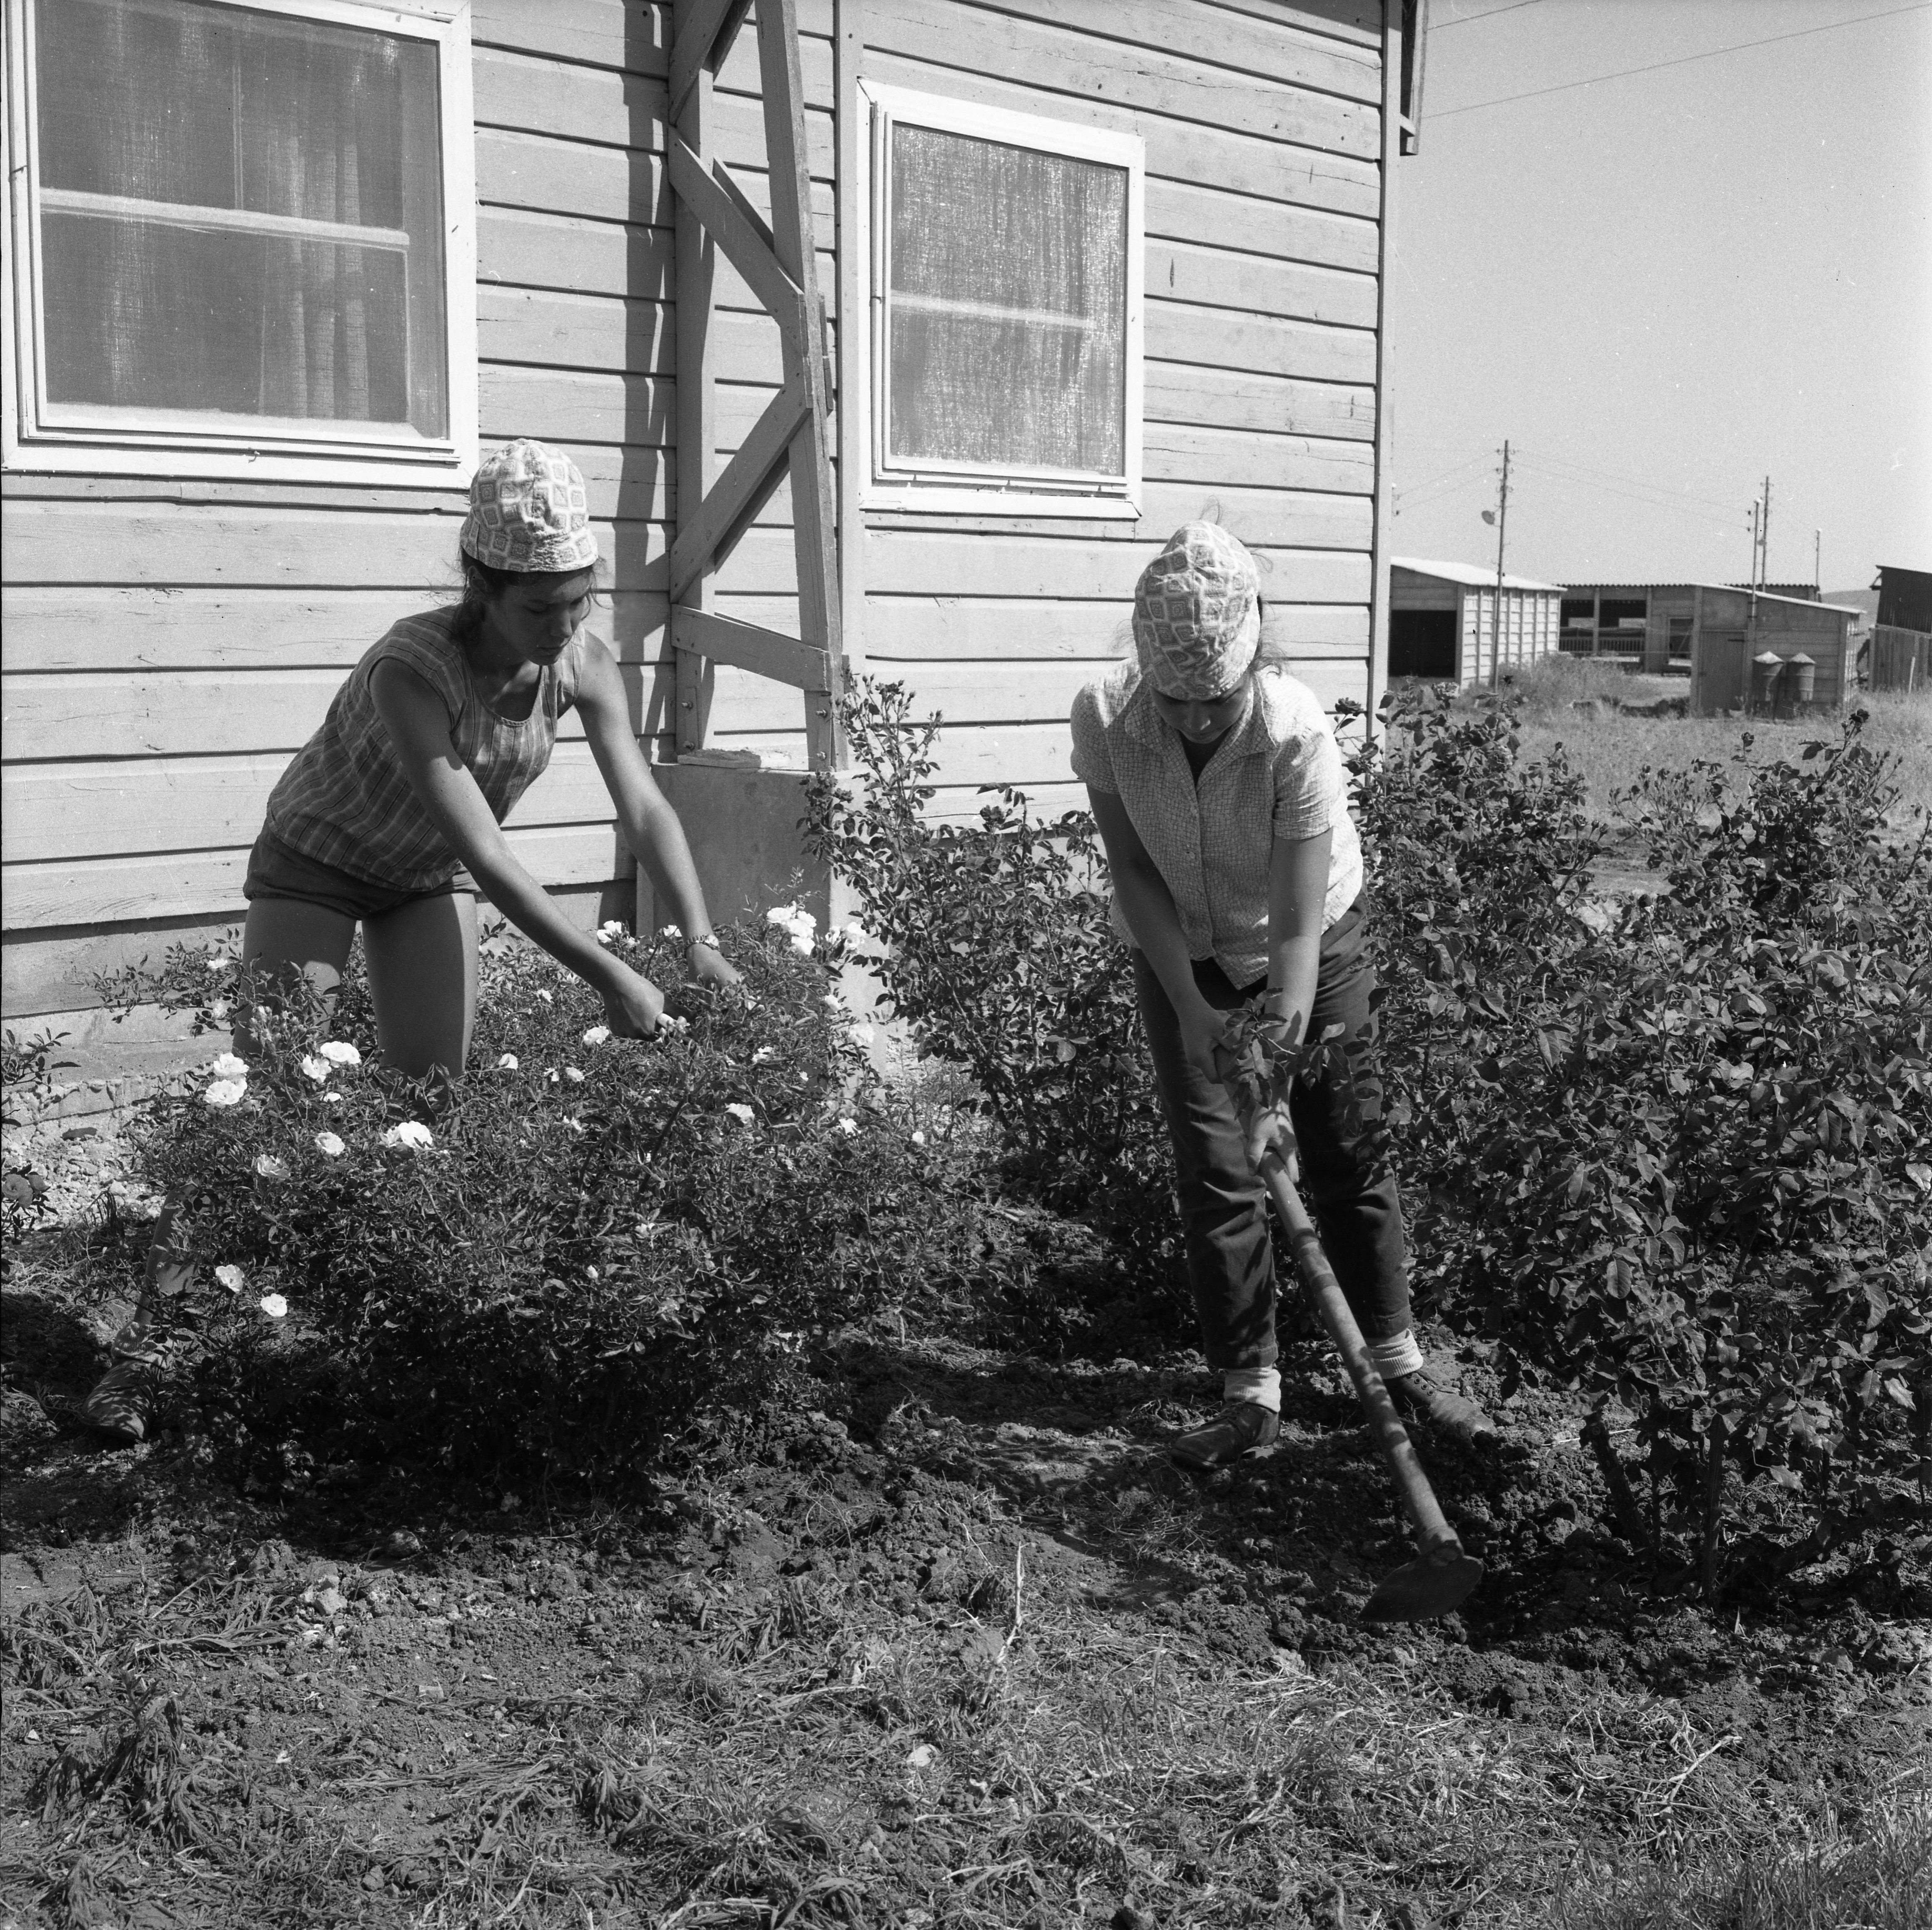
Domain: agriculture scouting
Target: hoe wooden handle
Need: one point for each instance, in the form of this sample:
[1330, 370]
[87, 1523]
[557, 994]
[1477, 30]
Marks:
[1418, 1499]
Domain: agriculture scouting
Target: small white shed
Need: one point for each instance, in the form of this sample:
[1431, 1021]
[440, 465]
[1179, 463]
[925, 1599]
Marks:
[1444, 621]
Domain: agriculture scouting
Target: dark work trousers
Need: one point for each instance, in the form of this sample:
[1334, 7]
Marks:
[1224, 1208]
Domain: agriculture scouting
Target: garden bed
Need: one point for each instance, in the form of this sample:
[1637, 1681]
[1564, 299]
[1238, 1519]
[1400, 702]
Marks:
[956, 1647]
[692, 1484]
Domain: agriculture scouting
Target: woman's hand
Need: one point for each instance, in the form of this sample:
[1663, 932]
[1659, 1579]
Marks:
[633, 1004]
[1270, 1130]
[1204, 1034]
[710, 966]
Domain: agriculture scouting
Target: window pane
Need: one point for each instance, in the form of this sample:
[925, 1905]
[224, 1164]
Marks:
[1007, 306]
[257, 135]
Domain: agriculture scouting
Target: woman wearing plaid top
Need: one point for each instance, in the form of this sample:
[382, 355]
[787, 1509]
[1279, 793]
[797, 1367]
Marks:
[1219, 792]
[391, 817]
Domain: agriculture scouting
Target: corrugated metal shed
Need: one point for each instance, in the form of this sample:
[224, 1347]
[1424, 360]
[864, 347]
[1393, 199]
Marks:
[1444, 621]
[1471, 573]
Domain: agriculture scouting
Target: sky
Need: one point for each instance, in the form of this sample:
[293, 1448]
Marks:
[1664, 286]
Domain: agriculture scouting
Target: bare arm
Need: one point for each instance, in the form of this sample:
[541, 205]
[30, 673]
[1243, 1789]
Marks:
[1298, 900]
[650, 826]
[418, 728]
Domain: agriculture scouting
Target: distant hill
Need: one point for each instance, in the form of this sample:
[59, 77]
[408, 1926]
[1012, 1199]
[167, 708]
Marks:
[1866, 599]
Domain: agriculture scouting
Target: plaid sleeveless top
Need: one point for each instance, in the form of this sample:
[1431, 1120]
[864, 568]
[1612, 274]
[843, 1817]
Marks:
[344, 800]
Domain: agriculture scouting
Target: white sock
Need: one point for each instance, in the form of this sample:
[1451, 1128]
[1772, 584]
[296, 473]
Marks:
[1261, 1385]
[1396, 1355]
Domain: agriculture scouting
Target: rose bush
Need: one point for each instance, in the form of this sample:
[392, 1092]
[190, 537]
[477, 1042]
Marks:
[992, 940]
[562, 1258]
[1679, 1155]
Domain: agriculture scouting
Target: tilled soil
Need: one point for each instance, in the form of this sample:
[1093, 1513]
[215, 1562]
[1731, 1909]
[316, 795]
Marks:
[958, 1647]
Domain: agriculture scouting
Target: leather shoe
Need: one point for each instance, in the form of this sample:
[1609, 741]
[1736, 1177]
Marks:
[1422, 1397]
[1243, 1426]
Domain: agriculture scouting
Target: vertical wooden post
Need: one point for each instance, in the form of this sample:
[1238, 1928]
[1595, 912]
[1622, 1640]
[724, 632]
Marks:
[1377, 681]
[795, 243]
[696, 422]
[852, 135]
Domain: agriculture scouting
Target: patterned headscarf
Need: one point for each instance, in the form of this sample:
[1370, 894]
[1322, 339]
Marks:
[528, 511]
[1197, 613]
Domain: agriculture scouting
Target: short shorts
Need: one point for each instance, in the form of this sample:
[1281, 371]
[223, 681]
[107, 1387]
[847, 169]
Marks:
[278, 871]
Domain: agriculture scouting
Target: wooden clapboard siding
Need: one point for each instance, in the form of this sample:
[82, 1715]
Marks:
[165, 648]
[1237, 162]
[163, 656]
[55, 717]
[212, 803]
[63, 895]
[1262, 134]
[129, 631]
[1056, 59]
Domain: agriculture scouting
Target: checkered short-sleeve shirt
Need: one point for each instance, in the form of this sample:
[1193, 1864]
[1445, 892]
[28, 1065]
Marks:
[1278, 774]
[344, 800]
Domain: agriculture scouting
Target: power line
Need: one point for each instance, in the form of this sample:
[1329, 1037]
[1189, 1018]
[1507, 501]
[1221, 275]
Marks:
[1454, 469]
[1682, 60]
[1629, 495]
[1612, 476]
[1469, 19]
[1405, 501]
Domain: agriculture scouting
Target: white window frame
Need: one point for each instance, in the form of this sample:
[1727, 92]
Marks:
[962, 489]
[184, 444]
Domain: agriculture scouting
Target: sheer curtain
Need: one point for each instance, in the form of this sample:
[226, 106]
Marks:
[1006, 306]
[240, 214]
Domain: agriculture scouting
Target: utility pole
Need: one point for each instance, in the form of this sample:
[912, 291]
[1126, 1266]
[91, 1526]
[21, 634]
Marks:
[1817, 567]
[1502, 530]
[1751, 582]
[1764, 540]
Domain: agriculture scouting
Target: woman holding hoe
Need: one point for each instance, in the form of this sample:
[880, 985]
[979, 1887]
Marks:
[1219, 789]
[390, 817]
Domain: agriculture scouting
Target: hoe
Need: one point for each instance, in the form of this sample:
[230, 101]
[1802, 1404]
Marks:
[1441, 1577]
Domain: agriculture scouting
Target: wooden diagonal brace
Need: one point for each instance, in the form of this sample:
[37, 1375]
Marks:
[751, 646]
[703, 40]
[749, 251]
[741, 492]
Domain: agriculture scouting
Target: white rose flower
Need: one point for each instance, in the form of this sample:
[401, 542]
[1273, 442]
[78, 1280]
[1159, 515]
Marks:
[862, 1036]
[848, 1127]
[329, 1145]
[228, 1066]
[743, 1115]
[798, 925]
[231, 1277]
[508, 1063]
[340, 1052]
[545, 997]
[224, 1092]
[268, 1167]
[575, 1125]
[317, 1069]
[597, 1035]
[275, 1306]
[412, 1133]
[763, 1056]
[217, 966]
[219, 1009]
[670, 1022]
[669, 931]
[573, 1075]
[918, 1139]
[332, 1099]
